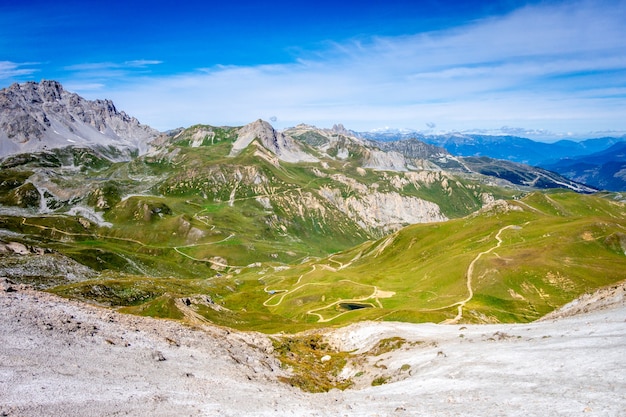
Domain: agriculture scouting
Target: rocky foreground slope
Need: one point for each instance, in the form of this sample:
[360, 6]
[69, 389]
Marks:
[61, 357]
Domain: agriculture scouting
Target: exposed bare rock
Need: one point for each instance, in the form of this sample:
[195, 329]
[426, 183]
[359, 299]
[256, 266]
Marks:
[386, 211]
[602, 299]
[411, 148]
[493, 206]
[89, 361]
[17, 248]
[342, 144]
[284, 147]
[61, 357]
[40, 267]
[339, 128]
[39, 116]
[385, 161]
[200, 135]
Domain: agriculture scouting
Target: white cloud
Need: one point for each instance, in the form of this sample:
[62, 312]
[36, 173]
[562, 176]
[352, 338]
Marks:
[99, 66]
[142, 63]
[99, 72]
[9, 70]
[558, 67]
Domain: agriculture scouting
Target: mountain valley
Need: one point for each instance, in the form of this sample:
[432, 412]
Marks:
[316, 238]
[259, 229]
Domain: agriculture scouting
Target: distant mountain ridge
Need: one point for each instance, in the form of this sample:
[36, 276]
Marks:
[511, 148]
[591, 161]
[604, 170]
[36, 117]
[42, 116]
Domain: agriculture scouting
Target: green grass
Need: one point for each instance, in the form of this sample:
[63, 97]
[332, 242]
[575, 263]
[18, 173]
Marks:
[162, 307]
[295, 261]
[387, 345]
[11, 179]
[416, 275]
[379, 381]
[545, 263]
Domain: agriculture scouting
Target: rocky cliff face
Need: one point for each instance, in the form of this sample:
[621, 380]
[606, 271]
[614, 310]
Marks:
[384, 161]
[387, 212]
[41, 116]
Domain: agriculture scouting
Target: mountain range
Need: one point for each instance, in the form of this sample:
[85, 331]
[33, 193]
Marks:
[590, 161]
[605, 169]
[258, 229]
[508, 147]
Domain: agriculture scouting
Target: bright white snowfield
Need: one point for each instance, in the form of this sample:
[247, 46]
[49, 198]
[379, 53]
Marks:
[60, 357]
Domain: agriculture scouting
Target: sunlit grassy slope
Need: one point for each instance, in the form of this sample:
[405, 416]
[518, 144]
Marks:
[553, 248]
[196, 234]
[559, 246]
[187, 210]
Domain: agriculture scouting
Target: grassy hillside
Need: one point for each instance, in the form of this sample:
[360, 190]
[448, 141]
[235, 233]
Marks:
[250, 241]
[421, 272]
[522, 258]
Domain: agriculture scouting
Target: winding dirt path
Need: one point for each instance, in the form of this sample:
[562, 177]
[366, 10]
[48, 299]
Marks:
[137, 242]
[470, 272]
[191, 316]
[282, 293]
[376, 294]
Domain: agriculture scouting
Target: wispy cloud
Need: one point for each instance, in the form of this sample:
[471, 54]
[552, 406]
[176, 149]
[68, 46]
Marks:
[99, 66]
[142, 63]
[548, 66]
[10, 70]
[99, 76]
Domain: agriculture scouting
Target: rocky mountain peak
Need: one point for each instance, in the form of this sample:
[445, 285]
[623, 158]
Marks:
[49, 90]
[411, 148]
[283, 146]
[340, 129]
[46, 91]
[39, 116]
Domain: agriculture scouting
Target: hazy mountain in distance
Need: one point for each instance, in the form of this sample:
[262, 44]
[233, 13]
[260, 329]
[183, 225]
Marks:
[604, 170]
[508, 147]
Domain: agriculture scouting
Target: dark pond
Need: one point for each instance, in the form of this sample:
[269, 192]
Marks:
[354, 306]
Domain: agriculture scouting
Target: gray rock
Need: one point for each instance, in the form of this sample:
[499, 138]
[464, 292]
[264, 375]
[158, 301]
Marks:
[283, 146]
[39, 116]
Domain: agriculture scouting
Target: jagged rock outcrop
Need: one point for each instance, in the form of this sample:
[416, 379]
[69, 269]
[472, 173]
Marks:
[340, 129]
[343, 144]
[284, 147]
[39, 116]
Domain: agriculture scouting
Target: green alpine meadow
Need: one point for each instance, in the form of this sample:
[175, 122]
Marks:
[256, 229]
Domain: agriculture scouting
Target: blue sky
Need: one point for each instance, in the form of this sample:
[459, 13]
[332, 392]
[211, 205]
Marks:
[556, 66]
